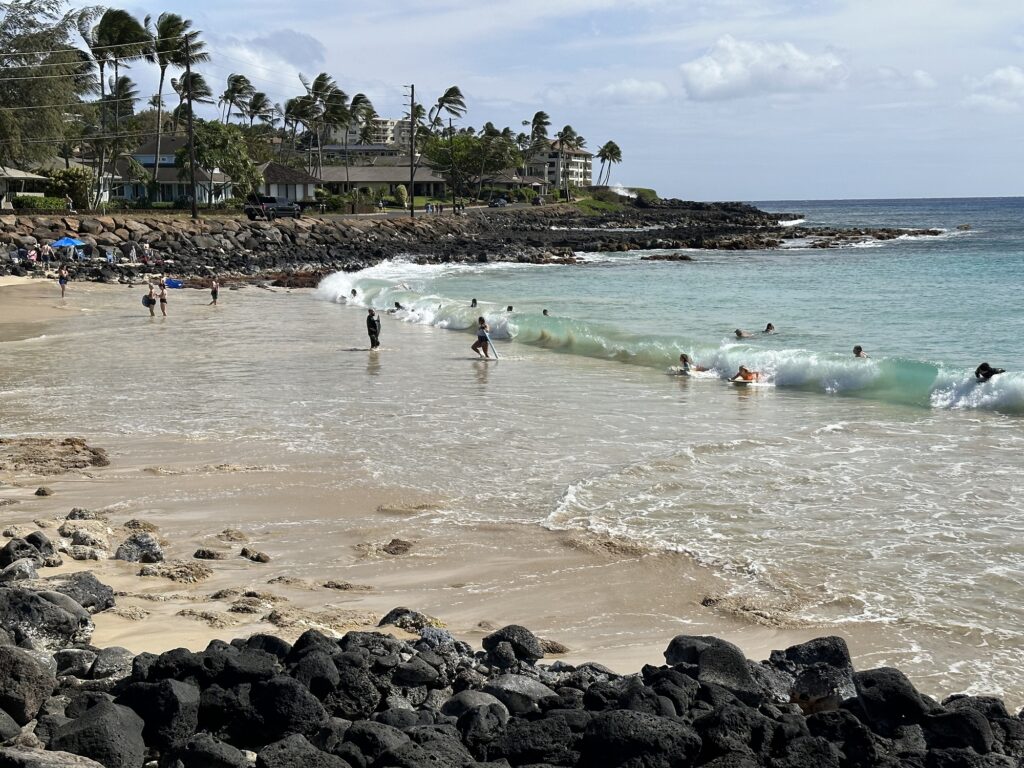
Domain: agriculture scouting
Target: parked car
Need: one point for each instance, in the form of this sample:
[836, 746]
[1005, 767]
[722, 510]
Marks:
[270, 208]
[498, 202]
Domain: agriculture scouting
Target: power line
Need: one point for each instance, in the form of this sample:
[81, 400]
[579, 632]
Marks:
[79, 63]
[70, 49]
[74, 104]
[86, 139]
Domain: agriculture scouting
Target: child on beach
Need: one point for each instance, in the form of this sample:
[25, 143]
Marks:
[62, 280]
[482, 339]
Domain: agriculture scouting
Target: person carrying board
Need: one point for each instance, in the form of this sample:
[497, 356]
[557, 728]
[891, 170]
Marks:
[483, 339]
[373, 328]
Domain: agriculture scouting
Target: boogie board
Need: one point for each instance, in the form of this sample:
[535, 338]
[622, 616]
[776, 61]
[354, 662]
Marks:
[148, 302]
[171, 283]
[742, 383]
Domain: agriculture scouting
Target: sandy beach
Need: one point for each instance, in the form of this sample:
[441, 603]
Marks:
[603, 600]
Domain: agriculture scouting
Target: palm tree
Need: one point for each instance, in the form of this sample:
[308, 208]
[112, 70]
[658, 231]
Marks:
[299, 111]
[237, 94]
[609, 154]
[200, 90]
[172, 42]
[569, 140]
[327, 110]
[259, 107]
[359, 113]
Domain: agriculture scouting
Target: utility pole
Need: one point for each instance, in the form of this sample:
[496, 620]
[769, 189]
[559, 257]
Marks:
[412, 151]
[191, 133]
[451, 159]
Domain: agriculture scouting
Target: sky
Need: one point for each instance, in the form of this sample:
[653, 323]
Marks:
[708, 99]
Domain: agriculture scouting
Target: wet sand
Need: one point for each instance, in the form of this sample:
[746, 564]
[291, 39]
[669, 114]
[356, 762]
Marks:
[606, 602]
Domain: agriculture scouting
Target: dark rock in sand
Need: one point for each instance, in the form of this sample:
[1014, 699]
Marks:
[407, 619]
[621, 737]
[82, 587]
[140, 548]
[209, 554]
[43, 620]
[19, 570]
[78, 513]
[285, 707]
[888, 698]
[169, 708]
[108, 733]
[520, 694]
[113, 662]
[204, 751]
[397, 547]
[255, 556]
[75, 662]
[718, 663]
[43, 491]
[296, 752]
[463, 701]
[24, 684]
[20, 549]
[524, 643]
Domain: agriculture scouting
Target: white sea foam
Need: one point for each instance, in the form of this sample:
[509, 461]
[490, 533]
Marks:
[791, 222]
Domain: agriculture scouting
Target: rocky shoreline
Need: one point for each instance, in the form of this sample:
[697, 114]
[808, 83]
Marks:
[313, 697]
[298, 252]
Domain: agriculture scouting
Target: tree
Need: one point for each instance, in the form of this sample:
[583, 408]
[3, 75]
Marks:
[74, 182]
[401, 196]
[201, 94]
[609, 154]
[259, 107]
[237, 94]
[172, 42]
[222, 146]
[568, 140]
[59, 77]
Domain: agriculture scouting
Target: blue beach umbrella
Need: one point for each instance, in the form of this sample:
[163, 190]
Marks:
[65, 242]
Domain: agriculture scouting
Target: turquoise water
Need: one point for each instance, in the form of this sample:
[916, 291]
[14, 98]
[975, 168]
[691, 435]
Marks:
[926, 309]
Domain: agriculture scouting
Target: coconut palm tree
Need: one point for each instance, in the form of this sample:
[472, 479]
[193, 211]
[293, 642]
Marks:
[358, 114]
[300, 111]
[172, 42]
[237, 94]
[259, 107]
[200, 90]
[609, 154]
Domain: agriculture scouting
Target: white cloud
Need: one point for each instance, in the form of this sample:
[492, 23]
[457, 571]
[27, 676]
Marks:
[890, 77]
[633, 91]
[1001, 90]
[736, 69]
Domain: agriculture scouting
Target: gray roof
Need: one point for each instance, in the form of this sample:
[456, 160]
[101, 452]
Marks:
[6, 172]
[375, 174]
[276, 173]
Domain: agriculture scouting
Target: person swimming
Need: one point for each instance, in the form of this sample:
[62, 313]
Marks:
[741, 334]
[984, 372]
[472, 303]
[858, 351]
[686, 365]
[745, 374]
[769, 328]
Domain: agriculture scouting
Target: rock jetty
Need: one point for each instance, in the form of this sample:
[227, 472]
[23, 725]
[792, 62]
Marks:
[371, 700]
[299, 251]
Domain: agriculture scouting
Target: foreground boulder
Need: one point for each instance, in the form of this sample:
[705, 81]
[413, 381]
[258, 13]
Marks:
[18, 757]
[24, 684]
[43, 620]
[108, 733]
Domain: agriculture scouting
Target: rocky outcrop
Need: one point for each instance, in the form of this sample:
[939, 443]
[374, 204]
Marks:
[369, 699]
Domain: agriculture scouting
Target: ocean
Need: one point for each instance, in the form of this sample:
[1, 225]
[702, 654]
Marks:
[877, 498]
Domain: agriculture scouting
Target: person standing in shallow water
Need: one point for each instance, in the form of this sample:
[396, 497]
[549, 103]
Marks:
[482, 339]
[151, 301]
[62, 280]
[163, 298]
[214, 291]
[373, 328]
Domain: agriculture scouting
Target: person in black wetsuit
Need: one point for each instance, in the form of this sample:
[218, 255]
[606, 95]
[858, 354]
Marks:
[984, 372]
[373, 328]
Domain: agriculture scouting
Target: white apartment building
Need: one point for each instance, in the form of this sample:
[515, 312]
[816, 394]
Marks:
[560, 164]
[385, 132]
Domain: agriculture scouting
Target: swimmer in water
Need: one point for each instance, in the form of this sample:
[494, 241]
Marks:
[745, 374]
[741, 334]
[984, 372]
[858, 351]
[769, 328]
[686, 365]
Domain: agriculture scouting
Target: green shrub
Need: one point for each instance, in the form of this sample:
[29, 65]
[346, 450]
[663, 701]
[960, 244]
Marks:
[160, 204]
[231, 204]
[401, 196]
[76, 182]
[32, 203]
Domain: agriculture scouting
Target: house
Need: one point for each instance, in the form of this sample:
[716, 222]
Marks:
[559, 165]
[511, 179]
[172, 182]
[109, 187]
[14, 181]
[377, 179]
[285, 182]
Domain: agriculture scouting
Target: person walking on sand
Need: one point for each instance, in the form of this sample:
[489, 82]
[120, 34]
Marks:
[163, 298]
[482, 342]
[214, 291]
[62, 280]
[373, 328]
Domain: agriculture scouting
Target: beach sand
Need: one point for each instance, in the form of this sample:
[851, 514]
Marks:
[606, 602]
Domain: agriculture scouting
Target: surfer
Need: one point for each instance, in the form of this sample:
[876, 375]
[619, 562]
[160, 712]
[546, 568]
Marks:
[353, 293]
[858, 351]
[741, 334]
[984, 372]
[686, 365]
[482, 331]
[373, 328]
[62, 279]
[745, 374]
[545, 313]
[214, 291]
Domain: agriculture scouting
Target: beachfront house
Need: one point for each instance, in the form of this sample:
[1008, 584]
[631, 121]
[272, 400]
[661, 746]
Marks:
[286, 183]
[15, 182]
[510, 180]
[560, 165]
[172, 183]
[378, 179]
[110, 184]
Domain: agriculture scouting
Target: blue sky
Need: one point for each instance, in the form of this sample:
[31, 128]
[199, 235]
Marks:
[708, 99]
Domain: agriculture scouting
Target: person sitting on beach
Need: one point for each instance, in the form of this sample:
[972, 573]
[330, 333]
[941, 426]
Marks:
[686, 364]
[741, 334]
[769, 328]
[984, 372]
[745, 374]
[482, 338]
[858, 351]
